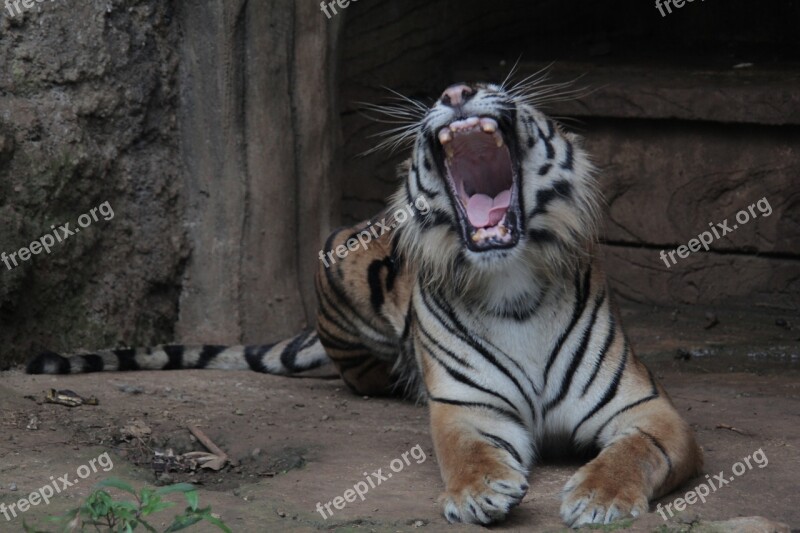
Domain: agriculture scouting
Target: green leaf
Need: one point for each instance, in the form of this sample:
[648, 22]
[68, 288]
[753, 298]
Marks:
[148, 527]
[117, 483]
[156, 507]
[183, 521]
[217, 522]
[193, 499]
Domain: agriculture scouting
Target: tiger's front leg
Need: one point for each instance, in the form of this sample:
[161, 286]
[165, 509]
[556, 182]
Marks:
[648, 450]
[482, 444]
[483, 474]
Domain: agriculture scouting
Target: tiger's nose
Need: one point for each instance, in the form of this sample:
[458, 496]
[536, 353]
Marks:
[457, 95]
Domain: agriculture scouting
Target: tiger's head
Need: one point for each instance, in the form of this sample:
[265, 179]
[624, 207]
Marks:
[508, 190]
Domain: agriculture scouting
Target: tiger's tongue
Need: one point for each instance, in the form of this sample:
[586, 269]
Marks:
[484, 211]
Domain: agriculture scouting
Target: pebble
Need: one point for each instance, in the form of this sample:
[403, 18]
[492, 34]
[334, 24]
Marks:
[325, 417]
[12, 487]
[255, 453]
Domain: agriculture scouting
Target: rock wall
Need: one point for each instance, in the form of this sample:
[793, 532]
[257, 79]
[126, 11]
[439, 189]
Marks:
[88, 97]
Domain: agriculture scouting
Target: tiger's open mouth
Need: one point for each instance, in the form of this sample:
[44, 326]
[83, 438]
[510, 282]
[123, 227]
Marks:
[482, 179]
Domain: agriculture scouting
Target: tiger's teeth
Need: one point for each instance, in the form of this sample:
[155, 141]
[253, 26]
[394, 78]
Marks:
[448, 150]
[445, 136]
[488, 125]
[498, 139]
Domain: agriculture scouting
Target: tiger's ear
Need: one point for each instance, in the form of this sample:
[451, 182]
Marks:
[404, 168]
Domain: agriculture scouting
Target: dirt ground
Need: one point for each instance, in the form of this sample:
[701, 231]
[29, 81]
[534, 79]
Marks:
[295, 442]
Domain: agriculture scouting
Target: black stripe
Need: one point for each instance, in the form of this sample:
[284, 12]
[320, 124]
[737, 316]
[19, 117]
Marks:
[581, 297]
[660, 447]
[367, 369]
[329, 340]
[375, 286]
[561, 189]
[611, 391]
[452, 354]
[93, 363]
[310, 342]
[348, 363]
[418, 179]
[344, 301]
[504, 444]
[37, 364]
[612, 333]
[508, 414]
[545, 169]
[175, 355]
[207, 354]
[653, 395]
[126, 359]
[349, 327]
[436, 217]
[622, 410]
[466, 380]
[577, 357]
[541, 236]
[254, 355]
[289, 353]
[465, 335]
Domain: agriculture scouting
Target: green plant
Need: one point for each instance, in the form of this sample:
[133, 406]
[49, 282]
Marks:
[101, 512]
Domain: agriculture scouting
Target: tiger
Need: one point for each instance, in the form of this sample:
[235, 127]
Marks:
[490, 305]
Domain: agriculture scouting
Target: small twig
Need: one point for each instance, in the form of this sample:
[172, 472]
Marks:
[731, 428]
[205, 441]
[215, 460]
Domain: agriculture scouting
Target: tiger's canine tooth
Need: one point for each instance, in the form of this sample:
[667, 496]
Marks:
[445, 136]
[488, 125]
[498, 139]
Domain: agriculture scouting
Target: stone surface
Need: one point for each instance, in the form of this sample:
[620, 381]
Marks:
[258, 141]
[88, 93]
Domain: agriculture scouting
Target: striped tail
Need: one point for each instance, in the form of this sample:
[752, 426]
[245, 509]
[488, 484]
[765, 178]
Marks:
[295, 355]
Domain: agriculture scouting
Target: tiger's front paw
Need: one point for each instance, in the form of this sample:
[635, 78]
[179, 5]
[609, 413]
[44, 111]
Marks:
[597, 495]
[486, 499]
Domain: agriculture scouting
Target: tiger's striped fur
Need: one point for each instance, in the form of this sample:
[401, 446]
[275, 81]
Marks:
[512, 340]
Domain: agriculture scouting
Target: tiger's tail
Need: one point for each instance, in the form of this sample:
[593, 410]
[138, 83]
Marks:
[296, 355]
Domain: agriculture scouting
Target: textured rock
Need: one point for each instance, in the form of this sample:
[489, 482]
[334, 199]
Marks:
[87, 116]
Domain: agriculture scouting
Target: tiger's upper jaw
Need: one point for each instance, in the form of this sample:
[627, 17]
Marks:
[475, 149]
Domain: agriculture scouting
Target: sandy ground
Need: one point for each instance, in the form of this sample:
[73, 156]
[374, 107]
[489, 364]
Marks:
[296, 442]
